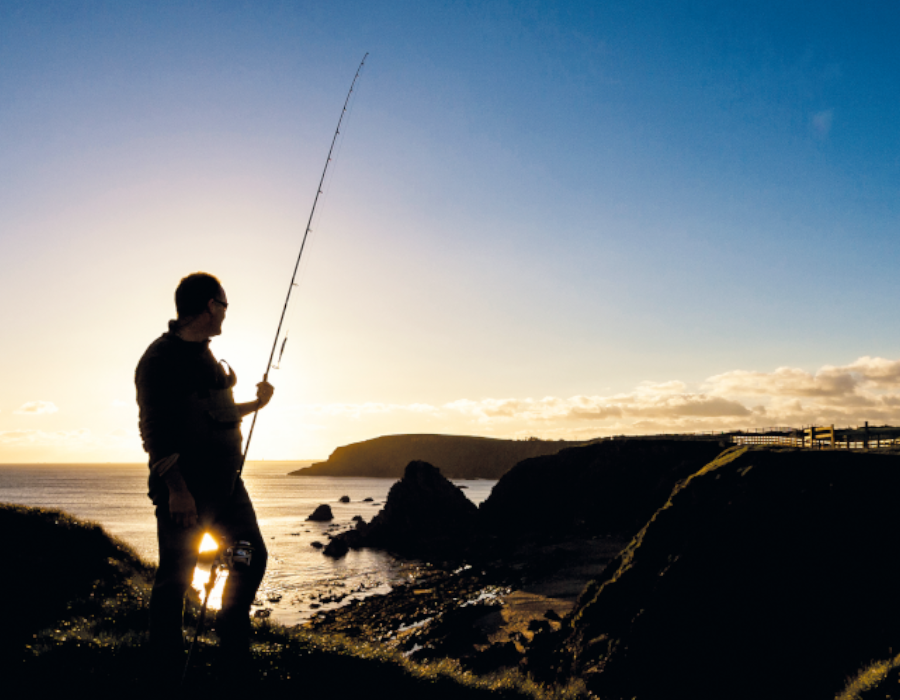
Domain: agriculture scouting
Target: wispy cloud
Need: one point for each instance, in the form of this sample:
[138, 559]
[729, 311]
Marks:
[359, 410]
[68, 442]
[865, 375]
[46, 438]
[33, 408]
[822, 121]
[639, 404]
[866, 389]
[673, 386]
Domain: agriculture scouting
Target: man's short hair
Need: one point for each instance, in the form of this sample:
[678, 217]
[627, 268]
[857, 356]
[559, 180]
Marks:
[194, 292]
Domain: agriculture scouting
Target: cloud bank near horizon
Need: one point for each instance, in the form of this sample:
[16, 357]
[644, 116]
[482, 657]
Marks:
[867, 389]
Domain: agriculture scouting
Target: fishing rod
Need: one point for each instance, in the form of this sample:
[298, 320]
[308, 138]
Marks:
[293, 283]
[208, 588]
[234, 558]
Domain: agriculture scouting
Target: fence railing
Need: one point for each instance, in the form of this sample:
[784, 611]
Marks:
[823, 437]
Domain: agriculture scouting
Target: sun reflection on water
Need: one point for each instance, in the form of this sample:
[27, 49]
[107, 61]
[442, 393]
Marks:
[208, 550]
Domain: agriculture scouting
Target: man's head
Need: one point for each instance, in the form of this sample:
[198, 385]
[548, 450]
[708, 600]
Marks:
[201, 302]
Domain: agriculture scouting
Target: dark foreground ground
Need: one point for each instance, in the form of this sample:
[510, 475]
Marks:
[763, 573]
[76, 623]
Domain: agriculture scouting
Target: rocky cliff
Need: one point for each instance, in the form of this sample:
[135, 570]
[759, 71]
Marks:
[769, 573]
[457, 456]
[611, 487]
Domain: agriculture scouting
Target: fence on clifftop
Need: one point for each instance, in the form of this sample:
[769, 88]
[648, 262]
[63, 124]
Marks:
[816, 437]
[824, 437]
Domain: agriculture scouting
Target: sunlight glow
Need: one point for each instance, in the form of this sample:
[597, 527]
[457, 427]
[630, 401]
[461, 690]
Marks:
[208, 544]
[203, 570]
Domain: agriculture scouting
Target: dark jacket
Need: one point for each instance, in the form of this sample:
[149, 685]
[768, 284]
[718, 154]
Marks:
[186, 406]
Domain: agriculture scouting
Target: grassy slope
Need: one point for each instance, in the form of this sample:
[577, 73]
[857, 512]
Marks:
[767, 574]
[77, 620]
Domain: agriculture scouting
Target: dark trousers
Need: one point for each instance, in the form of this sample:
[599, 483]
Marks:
[228, 520]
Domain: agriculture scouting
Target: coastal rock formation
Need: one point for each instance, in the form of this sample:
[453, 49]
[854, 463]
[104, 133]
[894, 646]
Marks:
[321, 514]
[425, 515]
[609, 488]
[606, 488]
[769, 573]
[336, 548]
[457, 456]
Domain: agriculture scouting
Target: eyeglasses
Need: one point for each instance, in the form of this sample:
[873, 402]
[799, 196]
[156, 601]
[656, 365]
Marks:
[224, 304]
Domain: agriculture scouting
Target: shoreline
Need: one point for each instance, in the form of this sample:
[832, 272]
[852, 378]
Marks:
[480, 613]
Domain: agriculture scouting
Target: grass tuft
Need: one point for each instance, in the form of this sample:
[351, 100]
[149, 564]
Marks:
[874, 681]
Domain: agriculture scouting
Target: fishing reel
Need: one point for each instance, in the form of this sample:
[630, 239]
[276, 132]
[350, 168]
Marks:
[238, 556]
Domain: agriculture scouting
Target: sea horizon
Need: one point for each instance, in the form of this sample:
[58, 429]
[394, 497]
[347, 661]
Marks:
[144, 463]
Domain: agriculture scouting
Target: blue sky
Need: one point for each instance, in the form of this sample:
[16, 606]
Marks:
[553, 219]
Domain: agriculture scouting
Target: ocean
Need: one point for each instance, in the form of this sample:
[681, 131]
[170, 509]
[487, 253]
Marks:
[299, 576]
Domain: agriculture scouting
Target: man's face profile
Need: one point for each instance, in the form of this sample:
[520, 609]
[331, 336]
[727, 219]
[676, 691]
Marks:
[217, 307]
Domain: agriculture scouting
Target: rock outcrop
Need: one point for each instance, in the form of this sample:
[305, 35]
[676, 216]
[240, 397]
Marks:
[322, 514]
[336, 548]
[769, 573]
[425, 515]
[606, 488]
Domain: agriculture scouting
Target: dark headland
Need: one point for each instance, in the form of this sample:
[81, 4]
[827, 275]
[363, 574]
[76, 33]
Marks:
[651, 569]
[457, 456]
[711, 571]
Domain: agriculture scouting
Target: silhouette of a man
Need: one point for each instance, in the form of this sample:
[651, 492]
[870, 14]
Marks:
[190, 426]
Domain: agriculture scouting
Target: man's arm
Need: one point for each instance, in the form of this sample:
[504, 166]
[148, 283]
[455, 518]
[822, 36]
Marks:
[157, 392]
[158, 396]
[182, 507]
[264, 392]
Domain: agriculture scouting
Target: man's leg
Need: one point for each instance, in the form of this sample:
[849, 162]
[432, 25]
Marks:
[238, 522]
[178, 549]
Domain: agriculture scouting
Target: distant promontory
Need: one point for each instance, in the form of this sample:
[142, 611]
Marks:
[457, 456]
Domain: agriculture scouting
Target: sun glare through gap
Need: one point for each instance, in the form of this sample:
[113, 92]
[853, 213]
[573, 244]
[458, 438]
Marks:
[203, 570]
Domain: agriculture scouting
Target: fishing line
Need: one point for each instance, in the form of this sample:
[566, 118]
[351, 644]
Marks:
[293, 284]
